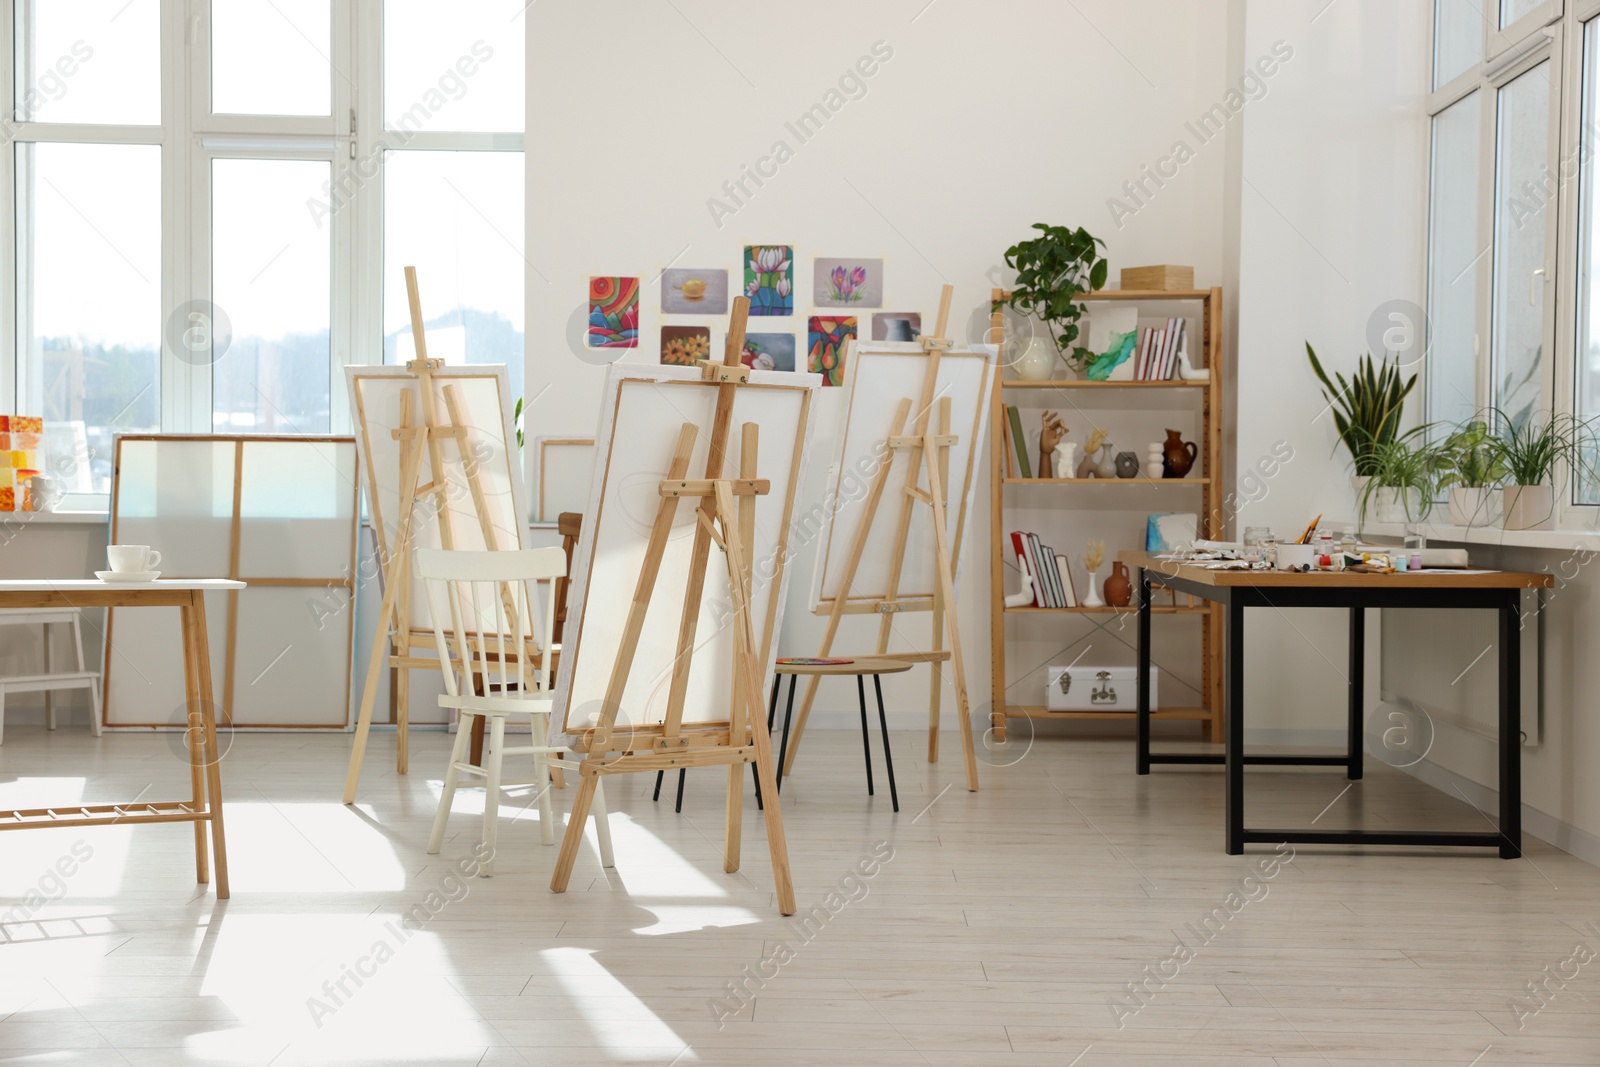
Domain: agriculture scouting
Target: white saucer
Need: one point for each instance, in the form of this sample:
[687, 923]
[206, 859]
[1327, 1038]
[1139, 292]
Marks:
[127, 576]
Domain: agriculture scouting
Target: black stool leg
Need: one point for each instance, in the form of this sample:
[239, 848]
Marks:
[866, 738]
[888, 760]
[657, 794]
[682, 774]
[788, 714]
[772, 712]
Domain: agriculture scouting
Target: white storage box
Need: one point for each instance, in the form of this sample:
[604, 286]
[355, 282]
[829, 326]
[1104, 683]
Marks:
[1096, 689]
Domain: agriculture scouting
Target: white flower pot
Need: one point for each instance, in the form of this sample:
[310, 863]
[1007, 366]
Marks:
[1474, 505]
[1035, 361]
[1529, 507]
[1397, 505]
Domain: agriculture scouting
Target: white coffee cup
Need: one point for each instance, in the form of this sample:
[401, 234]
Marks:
[134, 558]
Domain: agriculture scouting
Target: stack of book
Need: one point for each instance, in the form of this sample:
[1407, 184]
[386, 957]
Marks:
[1052, 578]
[1158, 351]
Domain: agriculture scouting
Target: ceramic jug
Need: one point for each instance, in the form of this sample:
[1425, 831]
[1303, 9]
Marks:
[1107, 467]
[1178, 455]
[1118, 589]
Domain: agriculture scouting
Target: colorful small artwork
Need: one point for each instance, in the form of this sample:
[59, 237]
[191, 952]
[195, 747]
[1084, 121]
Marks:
[825, 351]
[896, 326]
[694, 291]
[613, 312]
[769, 279]
[769, 351]
[25, 424]
[847, 283]
[683, 346]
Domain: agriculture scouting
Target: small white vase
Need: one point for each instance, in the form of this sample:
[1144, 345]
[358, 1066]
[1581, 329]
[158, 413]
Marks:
[1474, 505]
[1092, 600]
[1529, 507]
[1035, 361]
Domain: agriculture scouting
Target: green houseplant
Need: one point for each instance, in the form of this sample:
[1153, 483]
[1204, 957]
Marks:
[1366, 409]
[1471, 469]
[1532, 452]
[1053, 271]
[1401, 480]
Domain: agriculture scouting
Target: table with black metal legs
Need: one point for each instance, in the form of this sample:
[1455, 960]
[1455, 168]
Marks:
[861, 667]
[1236, 590]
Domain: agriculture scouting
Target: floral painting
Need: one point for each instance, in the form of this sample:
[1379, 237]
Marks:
[769, 279]
[613, 312]
[769, 351]
[828, 336]
[683, 346]
[694, 291]
[847, 283]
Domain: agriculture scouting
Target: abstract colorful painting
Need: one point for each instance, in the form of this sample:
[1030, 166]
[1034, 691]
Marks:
[896, 326]
[769, 351]
[683, 345]
[847, 283]
[694, 291]
[769, 279]
[825, 352]
[613, 312]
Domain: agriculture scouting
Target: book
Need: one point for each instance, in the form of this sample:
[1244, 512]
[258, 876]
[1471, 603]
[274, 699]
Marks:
[1047, 556]
[1171, 362]
[1047, 566]
[1019, 442]
[1018, 545]
[1011, 455]
[1066, 581]
[1041, 588]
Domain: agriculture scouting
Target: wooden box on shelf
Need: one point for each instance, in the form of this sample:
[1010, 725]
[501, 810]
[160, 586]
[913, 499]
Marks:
[1164, 276]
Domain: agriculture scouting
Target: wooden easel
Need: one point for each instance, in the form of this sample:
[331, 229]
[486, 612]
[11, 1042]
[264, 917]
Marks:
[930, 454]
[726, 515]
[414, 440]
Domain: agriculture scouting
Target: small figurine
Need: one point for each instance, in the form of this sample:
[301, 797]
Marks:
[1088, 467]
[1050, 436]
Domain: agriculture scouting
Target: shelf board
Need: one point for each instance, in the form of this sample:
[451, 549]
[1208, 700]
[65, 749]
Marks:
[1158, 609]
[1084, 383]
[1037, 711]
[1138, 294]
[1175, 482]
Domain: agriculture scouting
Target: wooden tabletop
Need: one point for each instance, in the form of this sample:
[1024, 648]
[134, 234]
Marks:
[87, 585]
[859, 665]
[1438, 579]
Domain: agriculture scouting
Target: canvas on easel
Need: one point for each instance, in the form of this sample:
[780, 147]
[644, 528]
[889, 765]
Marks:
[442, 471]
[916, 416]
[680, 578]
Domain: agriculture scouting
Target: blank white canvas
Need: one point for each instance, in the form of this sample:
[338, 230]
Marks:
[882, 373]
[566, 467]
[641, 415]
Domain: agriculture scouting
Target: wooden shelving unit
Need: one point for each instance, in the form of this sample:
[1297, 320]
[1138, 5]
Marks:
[1208, 487]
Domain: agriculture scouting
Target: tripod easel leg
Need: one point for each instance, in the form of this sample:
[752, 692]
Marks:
[574, 835]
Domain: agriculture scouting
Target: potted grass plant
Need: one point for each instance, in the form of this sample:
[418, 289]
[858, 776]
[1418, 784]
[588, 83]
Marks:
[1533, 452]
[1366, 410]
[1470, 468]
[1402, 477]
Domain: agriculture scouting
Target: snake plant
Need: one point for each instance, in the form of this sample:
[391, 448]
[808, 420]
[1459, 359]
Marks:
[1366, 409]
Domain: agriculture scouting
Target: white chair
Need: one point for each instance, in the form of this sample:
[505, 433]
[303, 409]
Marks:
[492, 632]
[51, 680]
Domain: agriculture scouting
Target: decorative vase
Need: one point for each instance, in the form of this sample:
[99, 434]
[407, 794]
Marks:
[1107, 467]
[1036, 361]
[1118, 587]
[1086, 466]
[1529, 507]
[1127, 465]
[1066, 456]
[1178, 455]
[1092, 598]
[1474, 505]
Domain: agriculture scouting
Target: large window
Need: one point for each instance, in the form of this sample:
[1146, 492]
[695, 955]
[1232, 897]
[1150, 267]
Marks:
[208, 205]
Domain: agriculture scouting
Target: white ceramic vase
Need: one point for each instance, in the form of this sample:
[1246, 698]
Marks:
[1036, 360]
[1092, 599]
[1474, 505]
[1529, 507]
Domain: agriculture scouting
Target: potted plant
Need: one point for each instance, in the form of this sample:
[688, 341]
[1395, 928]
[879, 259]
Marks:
[1470, 467]
[1053, 271]
[1366, 409]
[1532, 452]
[1401, 479]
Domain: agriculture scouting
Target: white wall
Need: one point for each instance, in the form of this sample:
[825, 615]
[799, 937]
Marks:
[984, 121]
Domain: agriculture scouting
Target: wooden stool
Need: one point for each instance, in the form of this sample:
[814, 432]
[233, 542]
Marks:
[860, 667]
[51, 680]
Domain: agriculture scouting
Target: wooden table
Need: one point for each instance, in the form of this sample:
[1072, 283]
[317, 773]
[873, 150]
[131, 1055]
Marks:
[205, 776]
[1498, 591]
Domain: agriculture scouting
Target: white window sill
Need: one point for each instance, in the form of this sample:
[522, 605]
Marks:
[1557, 540]
[15, 520]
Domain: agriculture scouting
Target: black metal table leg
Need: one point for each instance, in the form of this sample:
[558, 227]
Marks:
[1358, 694]
[1142, 675]
[1233, 709]
[888, 760]
[788, 715]
[1511, 727]
[866, 738]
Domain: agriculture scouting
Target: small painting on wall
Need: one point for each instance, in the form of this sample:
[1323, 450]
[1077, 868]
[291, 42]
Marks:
[828, 336]
[694, 291]
[682, 346]
[769, 279]
[896, 326]
[613, 312]
[769, 351]
[847, 283]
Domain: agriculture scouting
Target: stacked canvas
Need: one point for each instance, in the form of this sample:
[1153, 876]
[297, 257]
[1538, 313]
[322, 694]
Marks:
[1052, 578]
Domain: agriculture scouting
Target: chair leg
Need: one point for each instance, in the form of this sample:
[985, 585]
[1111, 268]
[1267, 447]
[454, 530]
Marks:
[602, 824]
[458, 752]
[544, 783]
[492, 767]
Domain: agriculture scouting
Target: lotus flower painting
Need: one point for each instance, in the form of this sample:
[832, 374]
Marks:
[847, 283]
[769, 279]
[828, 337]
[684, 346]
[613, 312]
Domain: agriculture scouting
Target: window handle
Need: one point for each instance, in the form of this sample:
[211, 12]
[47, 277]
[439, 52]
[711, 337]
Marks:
[1533, 287]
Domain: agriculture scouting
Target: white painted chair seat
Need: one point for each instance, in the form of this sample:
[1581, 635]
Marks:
[49, 681]
[485, 607]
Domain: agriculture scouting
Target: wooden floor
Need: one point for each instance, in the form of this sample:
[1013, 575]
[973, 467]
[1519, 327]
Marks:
[999, 928]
